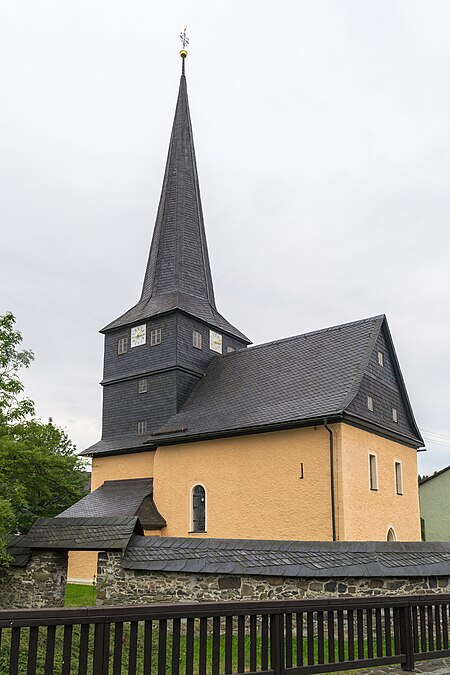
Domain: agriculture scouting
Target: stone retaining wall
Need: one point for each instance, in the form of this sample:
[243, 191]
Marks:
[41, 583]
[118, 586]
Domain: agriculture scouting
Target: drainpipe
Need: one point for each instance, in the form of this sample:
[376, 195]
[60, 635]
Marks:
[333, 508]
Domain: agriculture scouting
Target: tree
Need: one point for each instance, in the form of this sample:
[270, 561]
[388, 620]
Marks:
[40, 474]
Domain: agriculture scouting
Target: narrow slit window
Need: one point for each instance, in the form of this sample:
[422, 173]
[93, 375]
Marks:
[370, 403]
[198, 509]
[155, 337]
[122, 345]
[142, 427]
[398, 478]
[373, 474]
[381, 359]
[142, 387]
[391, 536]
[394, 415]
[196, 339]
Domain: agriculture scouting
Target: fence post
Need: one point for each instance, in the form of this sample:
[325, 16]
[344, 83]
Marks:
[101, 647]
[406, 637]
[277, 643]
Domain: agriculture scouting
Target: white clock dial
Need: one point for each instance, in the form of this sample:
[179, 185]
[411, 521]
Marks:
[215, 341]
[138, 335]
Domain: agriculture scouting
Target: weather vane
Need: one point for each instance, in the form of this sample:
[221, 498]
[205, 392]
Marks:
[184, 39]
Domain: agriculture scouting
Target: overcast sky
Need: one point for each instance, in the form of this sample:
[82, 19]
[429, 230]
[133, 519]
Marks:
[323, 144]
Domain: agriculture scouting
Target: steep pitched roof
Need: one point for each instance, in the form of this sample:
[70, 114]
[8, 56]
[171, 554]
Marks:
[178, 274]
[287, 558]
[130, 498]
[86, 534]
[283, 383]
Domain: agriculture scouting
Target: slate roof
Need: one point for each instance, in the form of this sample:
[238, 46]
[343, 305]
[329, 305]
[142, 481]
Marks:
[86, 534]
[19, 553]
[288, 558]
[131, 497]
[178, 274]
[283, 383]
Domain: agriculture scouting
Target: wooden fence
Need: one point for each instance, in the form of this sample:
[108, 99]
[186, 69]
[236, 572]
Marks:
[292, 637]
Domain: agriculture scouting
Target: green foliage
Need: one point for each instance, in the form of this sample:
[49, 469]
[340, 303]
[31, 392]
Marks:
[40, 475]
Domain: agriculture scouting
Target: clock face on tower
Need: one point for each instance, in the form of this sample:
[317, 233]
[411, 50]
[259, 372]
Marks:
[215, 341]
[138, 335]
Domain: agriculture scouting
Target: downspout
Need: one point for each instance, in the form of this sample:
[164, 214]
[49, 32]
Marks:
[333, 507]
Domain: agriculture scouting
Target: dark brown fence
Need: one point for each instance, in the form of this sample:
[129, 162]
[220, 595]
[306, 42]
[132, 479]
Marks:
[292, 637]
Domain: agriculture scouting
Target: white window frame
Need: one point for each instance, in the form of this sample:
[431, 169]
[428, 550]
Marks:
[230, 350]
[381, 359]
[197, 339]
[191, 509]
[398, 483]
[395, 415]
[141, 430]
[142, 386]
[122, 341]
[155, 337]
[375, 482]
[370, 403]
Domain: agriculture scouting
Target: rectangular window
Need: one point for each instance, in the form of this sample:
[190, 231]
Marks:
[381, 359]
[122, 345]
[142, 427]
[398, 478]
[196, 339]
[373, 474]
[142, 386]
[394, 415]
[155, 337]
[370, 403]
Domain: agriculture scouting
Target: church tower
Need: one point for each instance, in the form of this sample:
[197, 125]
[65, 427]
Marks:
[158, 350]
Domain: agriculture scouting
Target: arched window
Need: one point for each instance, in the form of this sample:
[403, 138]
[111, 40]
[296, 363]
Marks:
[391, 536]
[198, 497]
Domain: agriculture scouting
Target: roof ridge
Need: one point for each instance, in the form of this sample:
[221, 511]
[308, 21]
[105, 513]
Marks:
[328, 329]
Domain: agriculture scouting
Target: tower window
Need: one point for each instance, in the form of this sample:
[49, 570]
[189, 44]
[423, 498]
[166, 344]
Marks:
[381, 359]
[122, 345]
[196, 339]
[198, 506]
[398, 478]
[230, 349]
[370, 403]
[394, 415]
[142, 427]
[142, 386]
[373, 473]
[155, 337]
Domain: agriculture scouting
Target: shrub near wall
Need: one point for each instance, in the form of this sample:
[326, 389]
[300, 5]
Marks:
[40, 583]
[117, 586]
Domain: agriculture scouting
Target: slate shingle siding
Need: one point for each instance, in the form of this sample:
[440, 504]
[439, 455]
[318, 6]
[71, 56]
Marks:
[124, 406]
[381, 383]
[144, 358]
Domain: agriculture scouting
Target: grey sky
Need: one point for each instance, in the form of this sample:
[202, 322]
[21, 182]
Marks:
[323, 144]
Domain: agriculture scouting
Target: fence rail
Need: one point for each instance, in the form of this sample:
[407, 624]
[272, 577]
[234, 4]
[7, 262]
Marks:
[279, 637]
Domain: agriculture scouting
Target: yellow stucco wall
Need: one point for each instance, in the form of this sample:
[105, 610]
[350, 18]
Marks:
[364, 514]
[252, 484]
[82, 567]
[117, 467]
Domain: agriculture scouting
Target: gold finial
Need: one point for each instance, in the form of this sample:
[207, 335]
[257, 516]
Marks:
[184, 41]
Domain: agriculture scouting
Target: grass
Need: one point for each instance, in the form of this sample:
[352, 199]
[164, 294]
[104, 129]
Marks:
[79, 595]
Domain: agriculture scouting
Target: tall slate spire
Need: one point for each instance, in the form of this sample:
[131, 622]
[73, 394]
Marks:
[178, 274]
[178, 260]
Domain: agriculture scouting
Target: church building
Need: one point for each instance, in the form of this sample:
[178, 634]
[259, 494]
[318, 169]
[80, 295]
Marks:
[310, 437]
